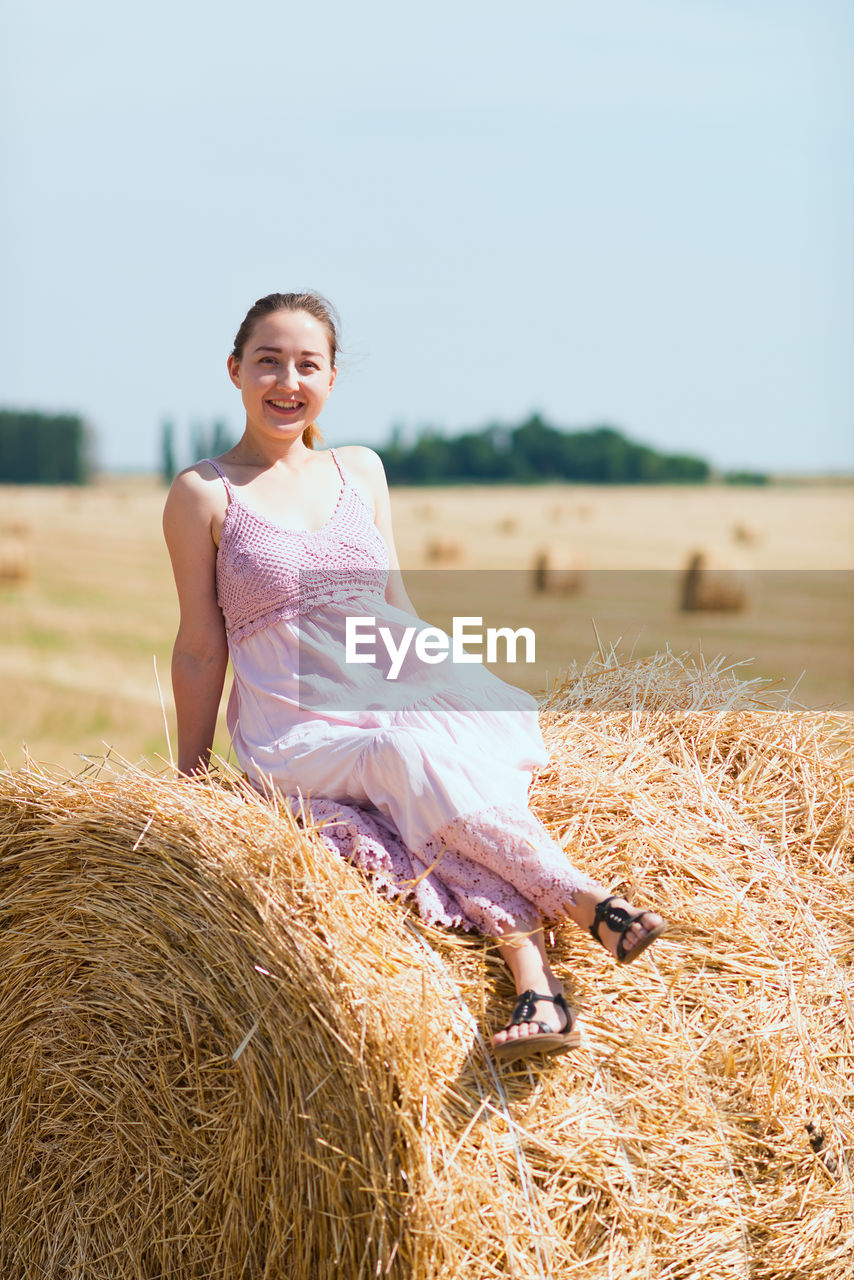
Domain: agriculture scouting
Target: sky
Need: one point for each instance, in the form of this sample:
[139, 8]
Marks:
[632, 212]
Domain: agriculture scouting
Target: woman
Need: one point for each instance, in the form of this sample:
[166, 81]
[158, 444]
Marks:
[275, 546]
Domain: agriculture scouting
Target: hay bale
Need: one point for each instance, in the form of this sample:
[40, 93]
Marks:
[224, 1055]
[745, 535]
[17, 527]
[711, 584]
[15, 564]
[196, 1083]
[556, 572]
[442, 550]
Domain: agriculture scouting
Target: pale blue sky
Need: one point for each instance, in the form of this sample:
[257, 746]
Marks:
[629, 211]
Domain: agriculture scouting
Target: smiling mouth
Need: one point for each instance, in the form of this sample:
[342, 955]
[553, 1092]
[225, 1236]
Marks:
[286, 406]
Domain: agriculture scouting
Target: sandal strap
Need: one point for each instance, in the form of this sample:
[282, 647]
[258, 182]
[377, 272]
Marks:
[616, 918]
[525, 1008]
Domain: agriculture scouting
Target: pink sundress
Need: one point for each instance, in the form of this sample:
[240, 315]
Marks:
[421, 781]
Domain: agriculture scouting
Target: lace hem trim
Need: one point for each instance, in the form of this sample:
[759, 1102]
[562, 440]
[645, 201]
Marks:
[483, 871]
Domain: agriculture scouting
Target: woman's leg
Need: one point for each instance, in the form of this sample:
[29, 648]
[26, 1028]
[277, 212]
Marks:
[524, 952]
[583, 912]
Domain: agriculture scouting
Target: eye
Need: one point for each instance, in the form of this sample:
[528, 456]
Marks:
[309, 364]
[268, 360]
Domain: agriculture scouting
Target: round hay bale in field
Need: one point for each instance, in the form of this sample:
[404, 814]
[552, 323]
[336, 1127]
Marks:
[556, 572]
[224, 1054]
[16, 527]
[713, 583]
[15, 567]
[745, 535]
[443, 551]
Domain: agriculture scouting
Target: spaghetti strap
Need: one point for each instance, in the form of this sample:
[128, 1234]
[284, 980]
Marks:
[340, 469]
[221, 473]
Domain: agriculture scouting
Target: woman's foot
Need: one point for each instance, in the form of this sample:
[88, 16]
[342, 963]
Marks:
[532, 1030]
[541, 1021]
[551, 1015]
[623, 929]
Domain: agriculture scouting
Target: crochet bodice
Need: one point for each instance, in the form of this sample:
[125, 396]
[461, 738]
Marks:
[266, 572]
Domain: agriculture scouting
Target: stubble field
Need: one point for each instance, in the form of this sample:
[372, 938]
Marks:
[88, 612]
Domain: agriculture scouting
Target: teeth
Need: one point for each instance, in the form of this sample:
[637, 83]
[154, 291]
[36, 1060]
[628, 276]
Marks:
[286, 404]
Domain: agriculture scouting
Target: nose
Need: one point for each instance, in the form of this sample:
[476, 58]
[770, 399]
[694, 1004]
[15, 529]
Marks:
[289, 377]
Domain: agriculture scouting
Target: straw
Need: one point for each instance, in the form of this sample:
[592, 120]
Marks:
[223, 1053]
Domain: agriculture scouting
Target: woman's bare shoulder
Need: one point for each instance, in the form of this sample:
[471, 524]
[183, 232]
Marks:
[197, 491]
[364, 463]
[365, 468]
[360, 457]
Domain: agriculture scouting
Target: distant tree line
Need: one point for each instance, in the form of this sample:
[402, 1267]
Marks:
[44, 448]
[746, 477]
[206, 441]
[531, 452]
[536, 451]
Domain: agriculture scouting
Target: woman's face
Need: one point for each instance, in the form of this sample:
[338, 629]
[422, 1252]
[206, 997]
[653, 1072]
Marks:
[285, 374]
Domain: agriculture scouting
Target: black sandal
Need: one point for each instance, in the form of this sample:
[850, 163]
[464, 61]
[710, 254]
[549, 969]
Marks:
[547, 1041]
[620, 921]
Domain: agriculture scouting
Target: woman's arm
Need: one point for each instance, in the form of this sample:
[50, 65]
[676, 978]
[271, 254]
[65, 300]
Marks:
[368, 467]
[200, 654]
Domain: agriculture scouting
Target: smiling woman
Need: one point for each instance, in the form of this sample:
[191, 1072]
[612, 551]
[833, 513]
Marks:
[276, 547]
[274, 375]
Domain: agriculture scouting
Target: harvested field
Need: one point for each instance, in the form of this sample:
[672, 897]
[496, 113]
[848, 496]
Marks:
[225, 1055]
[80, 636]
